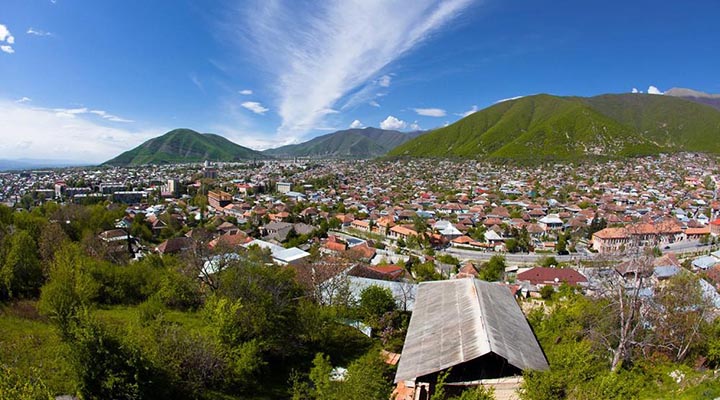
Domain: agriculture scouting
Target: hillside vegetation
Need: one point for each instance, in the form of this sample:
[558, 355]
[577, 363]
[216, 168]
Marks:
[551, 128]
[185, 146]
[350, 143]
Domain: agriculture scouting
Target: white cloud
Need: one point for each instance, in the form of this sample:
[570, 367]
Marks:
[23, 100]
[6, 36]
[246, 92]
[321, 53]
[73, 112]
[393, 123]
[509, 98]
[356, 124]
[471, 111]
[374, 103]
[4, 33]
[384, 81]
[430, 112]
[415, 126]
[255, 107]
[634, 90]
[32, 132]
[654, 90]
[109, 117]
[37, 32]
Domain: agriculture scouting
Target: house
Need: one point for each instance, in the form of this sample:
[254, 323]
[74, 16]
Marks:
[280, 255]
[218, 199]
[715, 227]
[284, 187]
[114, 235]
[704, 263]
[551, 276]
[360, 225]
[401, 232]
[447, 229]
[175, 245]
[551, 222]
[471, 329]
[611, 240]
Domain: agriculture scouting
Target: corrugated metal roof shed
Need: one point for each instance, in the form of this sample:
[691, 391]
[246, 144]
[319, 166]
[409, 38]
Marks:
[460, 320]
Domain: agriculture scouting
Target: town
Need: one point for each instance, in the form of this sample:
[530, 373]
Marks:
[394, 224]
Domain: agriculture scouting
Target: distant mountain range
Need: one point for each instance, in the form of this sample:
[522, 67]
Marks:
[713, 100]
[350, 143]
[185, 146]
[529, 129]
[551, 128]
[32, 163]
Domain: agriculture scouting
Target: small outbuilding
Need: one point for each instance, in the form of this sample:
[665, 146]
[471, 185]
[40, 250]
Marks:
[471, 329]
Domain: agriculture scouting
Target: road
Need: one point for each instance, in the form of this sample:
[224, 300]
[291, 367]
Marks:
[679, 248]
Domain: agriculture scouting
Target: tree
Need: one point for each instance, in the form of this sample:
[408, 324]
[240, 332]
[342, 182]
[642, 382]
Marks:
[680, 308]
[109, 367]
[548, 262]
[493, 270]
[21, 272]
[52, 238]
[69, 288]
[561, 247]
[547, 292]
[366, 378]
[375, 302]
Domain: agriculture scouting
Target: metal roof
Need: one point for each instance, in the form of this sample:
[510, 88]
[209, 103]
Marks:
[456, 321]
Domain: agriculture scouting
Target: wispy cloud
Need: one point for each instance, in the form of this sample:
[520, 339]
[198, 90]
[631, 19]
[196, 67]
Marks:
[508, 99]
[72, 134]
[471, 111]
[197, 82]
[73, 112]
[384, 81]
[246, 92]
[37, 32]
[430, 112]
[23, 100]
[319, 54]
[255, 107]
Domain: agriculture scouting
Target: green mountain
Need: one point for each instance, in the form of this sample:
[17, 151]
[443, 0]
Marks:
[185, 146]
[350, 143]
[547, 128]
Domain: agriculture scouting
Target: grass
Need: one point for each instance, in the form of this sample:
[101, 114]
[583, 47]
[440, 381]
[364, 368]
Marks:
[31, 346]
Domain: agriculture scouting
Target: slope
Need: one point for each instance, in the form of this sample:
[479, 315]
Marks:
[545, 128]
[350, 143]
[183, 146]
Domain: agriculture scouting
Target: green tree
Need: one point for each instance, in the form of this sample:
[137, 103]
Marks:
[69, 288]
[108, 367]
[21, 272]
[375, 302]
[493, 270]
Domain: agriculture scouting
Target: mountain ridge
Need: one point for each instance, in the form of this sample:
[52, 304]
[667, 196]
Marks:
[185, 146]
[553, 128]
[349, 143]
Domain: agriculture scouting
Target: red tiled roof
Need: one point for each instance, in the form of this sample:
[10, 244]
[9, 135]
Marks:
[543, 275]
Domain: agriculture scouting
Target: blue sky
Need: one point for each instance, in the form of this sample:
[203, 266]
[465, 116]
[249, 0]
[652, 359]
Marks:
[86, 80]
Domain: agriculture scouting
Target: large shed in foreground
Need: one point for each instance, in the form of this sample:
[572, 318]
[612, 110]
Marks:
[476, 328]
